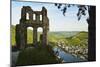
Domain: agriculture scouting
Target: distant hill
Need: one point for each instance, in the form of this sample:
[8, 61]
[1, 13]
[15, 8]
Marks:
[82, 35]
[79, 39]
[64, 33]
[67, 36]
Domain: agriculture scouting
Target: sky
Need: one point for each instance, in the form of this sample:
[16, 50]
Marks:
[57, 21]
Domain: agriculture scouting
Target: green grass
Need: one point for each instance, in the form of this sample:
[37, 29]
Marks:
[34, 56]
[13, 42]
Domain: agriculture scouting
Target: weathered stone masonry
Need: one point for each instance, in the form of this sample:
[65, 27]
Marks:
[35, 19]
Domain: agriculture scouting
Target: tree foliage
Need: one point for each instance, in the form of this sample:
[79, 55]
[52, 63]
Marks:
[81, 9]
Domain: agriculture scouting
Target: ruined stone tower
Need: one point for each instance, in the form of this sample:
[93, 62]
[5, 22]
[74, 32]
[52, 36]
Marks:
[34, 19]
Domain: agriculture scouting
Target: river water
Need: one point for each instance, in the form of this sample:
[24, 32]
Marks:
[66, 57]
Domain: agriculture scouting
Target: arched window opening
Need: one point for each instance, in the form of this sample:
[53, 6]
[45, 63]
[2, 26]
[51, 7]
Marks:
[34, 16]
[27, 16]
[40, 17]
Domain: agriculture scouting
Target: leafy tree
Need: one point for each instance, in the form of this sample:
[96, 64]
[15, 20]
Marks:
[91, 25]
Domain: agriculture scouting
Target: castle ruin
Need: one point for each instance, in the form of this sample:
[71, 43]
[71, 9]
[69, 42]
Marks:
[34, 19]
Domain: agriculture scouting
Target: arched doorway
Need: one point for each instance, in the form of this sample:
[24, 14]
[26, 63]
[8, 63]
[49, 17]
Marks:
[40, 32]
[29, 35]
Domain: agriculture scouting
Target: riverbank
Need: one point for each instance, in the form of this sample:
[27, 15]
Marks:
[66, 57]
[76, 51]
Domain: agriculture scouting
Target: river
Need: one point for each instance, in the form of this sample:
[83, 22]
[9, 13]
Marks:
[66, 57]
